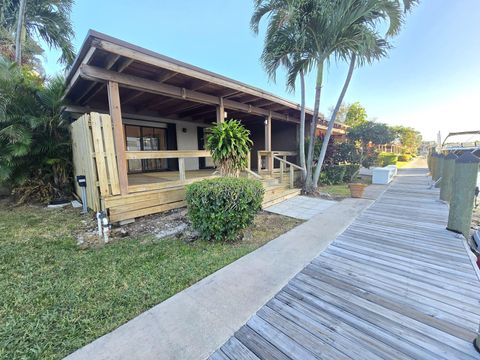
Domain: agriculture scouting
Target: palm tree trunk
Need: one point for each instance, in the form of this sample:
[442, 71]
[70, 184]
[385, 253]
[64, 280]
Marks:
[331, 123]
[18, 35]
[302, 125]
[313, 127]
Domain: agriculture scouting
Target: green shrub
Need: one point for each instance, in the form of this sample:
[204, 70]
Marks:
[385, 159]
[405, 157]
[350, 171]
[334, 174]
[229, 143]
[221, 208]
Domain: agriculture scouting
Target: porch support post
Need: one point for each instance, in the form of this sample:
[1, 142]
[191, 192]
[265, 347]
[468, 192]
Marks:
[220, 112]
[268, 141]
[118, 134]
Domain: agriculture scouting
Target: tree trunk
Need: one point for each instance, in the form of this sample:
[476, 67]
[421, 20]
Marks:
[331, 123]
[18, 35]
[302, 125]
[313, 127]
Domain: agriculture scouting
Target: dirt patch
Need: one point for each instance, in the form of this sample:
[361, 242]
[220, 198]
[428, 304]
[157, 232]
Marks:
[175, 224]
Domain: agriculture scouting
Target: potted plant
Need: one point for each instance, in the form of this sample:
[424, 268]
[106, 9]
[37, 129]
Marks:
[357, 188]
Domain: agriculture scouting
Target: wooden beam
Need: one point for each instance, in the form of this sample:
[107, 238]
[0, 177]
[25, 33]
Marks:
[137, 83]
[118, 134]
[133, 96]
[166, 154]
[180, 68]
[268, 141]
[125, 63]
[108, 65]
[75, 76]
[167, 76]
[220, 111]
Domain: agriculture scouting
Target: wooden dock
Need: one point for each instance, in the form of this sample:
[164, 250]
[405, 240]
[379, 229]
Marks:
[394, 285]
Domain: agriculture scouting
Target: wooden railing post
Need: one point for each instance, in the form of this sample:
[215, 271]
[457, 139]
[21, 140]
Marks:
[118, 134]
[291, 177]
[281, 171]
[181, 168]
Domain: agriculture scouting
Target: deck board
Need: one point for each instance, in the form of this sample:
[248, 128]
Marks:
[395, 285]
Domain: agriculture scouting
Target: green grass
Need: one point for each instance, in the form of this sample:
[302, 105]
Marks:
[55, 297]
[336, 190]
[402, 164]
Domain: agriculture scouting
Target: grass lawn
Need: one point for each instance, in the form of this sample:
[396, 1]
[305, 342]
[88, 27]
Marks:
[55, 297]
[340, 190]
[403, 164]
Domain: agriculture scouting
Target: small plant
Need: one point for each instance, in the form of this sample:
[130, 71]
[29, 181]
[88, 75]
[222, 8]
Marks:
[230, 144]
[221, 208]
[351, 171]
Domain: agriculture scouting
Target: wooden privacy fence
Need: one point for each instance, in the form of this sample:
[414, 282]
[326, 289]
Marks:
[94, 155]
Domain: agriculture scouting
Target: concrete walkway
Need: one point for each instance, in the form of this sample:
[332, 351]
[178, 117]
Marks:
[196, 321]
[301, 207]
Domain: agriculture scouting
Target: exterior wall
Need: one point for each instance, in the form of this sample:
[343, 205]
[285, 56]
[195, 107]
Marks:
[187, 140]
[186, 135]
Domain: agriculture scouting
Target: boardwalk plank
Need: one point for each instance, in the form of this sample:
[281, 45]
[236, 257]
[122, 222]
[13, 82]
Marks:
[395, 285]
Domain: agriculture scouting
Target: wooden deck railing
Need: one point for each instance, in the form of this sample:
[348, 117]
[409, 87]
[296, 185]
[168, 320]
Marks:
[270, 163]
[181, 155]
[284, 164]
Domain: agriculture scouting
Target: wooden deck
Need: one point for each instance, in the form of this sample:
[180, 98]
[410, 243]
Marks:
[394, 285]
[166, 176]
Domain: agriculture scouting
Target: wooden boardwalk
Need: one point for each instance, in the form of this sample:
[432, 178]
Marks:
[394, 285]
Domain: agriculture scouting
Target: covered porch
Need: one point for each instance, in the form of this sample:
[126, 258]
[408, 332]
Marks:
[142, 119]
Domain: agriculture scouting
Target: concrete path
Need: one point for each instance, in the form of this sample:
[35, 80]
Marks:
[196, 321]
[301, 207]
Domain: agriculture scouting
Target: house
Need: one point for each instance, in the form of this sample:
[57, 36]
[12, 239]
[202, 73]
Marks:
[140, 120]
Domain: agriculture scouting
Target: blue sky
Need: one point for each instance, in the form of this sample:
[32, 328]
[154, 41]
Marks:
[430, 81]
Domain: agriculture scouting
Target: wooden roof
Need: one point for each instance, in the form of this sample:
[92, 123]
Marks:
[156, 85]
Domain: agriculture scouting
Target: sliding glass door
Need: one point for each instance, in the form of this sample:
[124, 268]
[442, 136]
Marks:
[142, 138]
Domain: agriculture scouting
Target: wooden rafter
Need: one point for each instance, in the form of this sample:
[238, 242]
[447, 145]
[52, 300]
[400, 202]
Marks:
[138, 83]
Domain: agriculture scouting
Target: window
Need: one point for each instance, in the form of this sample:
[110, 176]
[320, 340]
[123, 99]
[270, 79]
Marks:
[142, 138]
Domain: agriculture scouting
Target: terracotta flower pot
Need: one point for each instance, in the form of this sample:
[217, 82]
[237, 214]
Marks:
[356, 189]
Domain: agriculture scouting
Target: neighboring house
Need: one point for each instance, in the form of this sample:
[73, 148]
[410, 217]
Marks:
[155, 116]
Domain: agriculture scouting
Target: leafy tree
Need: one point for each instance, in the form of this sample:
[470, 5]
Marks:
[356, 115]
[230, 144]
[371, 132]
[36, 153]
[30, 20]
[410, 138]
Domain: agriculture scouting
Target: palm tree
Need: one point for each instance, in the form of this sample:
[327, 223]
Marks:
[34, 19]
[283, 46]
[369, 48]
[305, 34]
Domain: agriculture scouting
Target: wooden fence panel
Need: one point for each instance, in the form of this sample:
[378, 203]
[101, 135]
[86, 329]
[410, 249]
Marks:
[110, 154]
[99, 154]
[83, 162]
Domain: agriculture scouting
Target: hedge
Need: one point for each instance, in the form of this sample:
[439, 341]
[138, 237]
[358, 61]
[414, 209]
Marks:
[333, 174]
[385, 159]
[221, 208]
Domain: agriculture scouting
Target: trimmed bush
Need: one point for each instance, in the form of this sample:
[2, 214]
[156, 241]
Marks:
[385, 159]
[405, 157]
[221, 208]
[350, 171]
[334, 174]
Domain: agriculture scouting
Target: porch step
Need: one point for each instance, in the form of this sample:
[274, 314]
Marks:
[275, 194]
